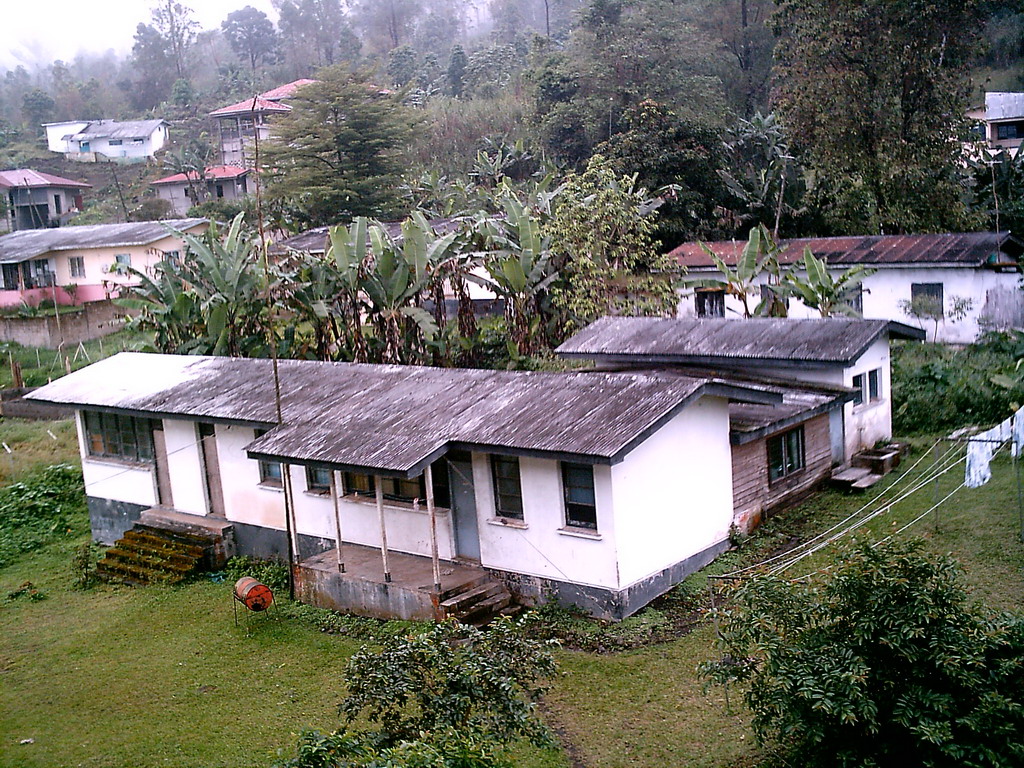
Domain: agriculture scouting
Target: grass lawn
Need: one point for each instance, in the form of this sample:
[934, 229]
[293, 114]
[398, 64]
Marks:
[160, 676]
[39, 365]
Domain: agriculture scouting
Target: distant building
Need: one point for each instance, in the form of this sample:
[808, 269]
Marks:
[38, 200]
[242, 123]
[1000, 122]
[43, 264]
[90, 141]
[220, 182]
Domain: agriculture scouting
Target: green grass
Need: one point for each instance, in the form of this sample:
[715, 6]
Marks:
[161, 676]
[35, 444]
[40, 365]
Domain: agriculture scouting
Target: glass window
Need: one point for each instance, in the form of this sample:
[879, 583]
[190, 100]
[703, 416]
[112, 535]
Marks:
[77, 266]
[318, 480]
[270, 471]
[402, 489]
[926, 300]
[710, 302]
[124, 259]
[580, 501]
[508, 490]
[111, 435]
[875, 384]
[853, 297]
[115, 142]
[785, 454]
[858, 385]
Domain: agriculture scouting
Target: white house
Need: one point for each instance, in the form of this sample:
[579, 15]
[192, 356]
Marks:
[843, 354]
[74, 265]
[603, 489]
[974, 278]
[1000, 121]
[219, 182]
[101, 140]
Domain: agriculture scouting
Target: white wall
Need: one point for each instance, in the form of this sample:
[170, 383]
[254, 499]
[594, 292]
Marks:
[542, 545]
[886, 288]
[673, 493]
[116, 480]
[56, 132]
[185, 467]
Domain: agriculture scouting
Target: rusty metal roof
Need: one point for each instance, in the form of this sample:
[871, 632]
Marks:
[719, 341]
[26, 177]
[971, 249]
[396, 419]
[32, 243]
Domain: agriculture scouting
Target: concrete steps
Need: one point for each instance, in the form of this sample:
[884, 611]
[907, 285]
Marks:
[854, 479]
[148, 555]
[477, 602]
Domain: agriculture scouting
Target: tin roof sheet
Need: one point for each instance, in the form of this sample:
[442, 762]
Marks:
[31, 243]
[837, 341]
[26, 177]
[213, 172]
[116, 129]
[970, 249]
[395, 419]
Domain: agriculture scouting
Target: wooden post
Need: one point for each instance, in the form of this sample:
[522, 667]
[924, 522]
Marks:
[378, 487]
[337, 519]
[289, 510]
[428, 481]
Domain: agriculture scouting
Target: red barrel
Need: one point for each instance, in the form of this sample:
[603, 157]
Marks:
[252, 594]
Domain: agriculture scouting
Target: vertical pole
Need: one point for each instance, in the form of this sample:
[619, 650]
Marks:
[290, 524]
[428, 481]
[935, 486]
[1020, 499]
[337, 519]
[378, 487]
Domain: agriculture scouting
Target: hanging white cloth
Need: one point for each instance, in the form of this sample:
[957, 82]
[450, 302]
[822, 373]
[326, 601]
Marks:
[1018, 432]
[979, 460]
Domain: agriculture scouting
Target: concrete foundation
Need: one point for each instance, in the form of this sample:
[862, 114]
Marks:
[110, 519]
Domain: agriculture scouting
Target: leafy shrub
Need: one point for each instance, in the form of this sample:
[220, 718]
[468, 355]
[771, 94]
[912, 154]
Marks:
[48, 504]
[936, 388]
[83, 564]
[273, 573]
[357, 627]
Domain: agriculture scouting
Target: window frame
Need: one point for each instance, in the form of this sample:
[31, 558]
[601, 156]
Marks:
[500, 497]
[858, 386]
[118, 437]
[791, 442]
[76, 264]
[315, 486]
[271, 472]
[874, 380]
[397, 489]
[933, 291]
[712, 299]
[570, 507]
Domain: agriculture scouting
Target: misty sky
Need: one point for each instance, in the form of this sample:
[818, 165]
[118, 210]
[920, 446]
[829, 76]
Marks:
[39, 31]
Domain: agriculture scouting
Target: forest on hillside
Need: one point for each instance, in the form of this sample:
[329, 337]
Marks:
[808, 116]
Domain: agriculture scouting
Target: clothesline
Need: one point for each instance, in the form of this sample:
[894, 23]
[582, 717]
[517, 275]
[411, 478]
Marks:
[982, 447]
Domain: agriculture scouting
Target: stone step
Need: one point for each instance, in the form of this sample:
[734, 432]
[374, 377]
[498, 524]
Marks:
[135, 573]
[849, 475]
[155, 561]
[184, 537]
[455, 606]
[865, 482]
[465, 586]
[156, 541]
[485, 611]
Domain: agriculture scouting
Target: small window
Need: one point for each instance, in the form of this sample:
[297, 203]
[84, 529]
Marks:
[174, 257]
[785, 454]
[508, 490]
[926, 300]
[858, 386]
[402, 489]
[875, 384]
[137, 142]
[853, 297]
[58, 207]
[1009, 130]
[77, 266]
[580, 500]
[710, 302]
[110, 435]
[318, 480]
[115, 142]
[270, 471]
[220, 190]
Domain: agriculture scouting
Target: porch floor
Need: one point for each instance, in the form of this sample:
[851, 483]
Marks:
[407, 571]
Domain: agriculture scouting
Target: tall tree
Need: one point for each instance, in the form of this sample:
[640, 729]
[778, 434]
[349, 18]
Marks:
[338, 153]
[252, 36]
[874, 92]
[152, 71]
[174, 22]
[315, 33]
[37, 107]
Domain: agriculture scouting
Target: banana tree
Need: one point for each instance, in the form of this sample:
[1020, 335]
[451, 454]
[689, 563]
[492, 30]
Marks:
[821, 291]
[519, 268]
[759, 255]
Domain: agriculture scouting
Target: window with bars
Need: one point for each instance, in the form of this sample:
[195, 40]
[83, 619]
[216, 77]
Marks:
[508, 489]
[580, 500]
[402, 489]
[114, 436]
[710, 302]
[785, 454]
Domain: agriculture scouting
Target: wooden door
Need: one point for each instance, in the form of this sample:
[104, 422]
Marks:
[211, 469]
[163, 476]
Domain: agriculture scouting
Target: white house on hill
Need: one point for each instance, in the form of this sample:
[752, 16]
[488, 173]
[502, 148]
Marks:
[604, 489]
[970, 282]
[89, 141]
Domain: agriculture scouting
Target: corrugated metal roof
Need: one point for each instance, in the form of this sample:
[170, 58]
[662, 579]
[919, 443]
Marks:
[1003, 105]
[251, 106]
[213, 172]
[116, 129]
[717, 341]
[316, 240]
[970, 249]
[395, 419]
[287, 90]
[26, 177]
[31, 243]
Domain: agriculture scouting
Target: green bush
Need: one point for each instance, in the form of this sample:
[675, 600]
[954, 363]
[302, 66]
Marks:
[273, 573]
[47, 505]
[936, 388]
